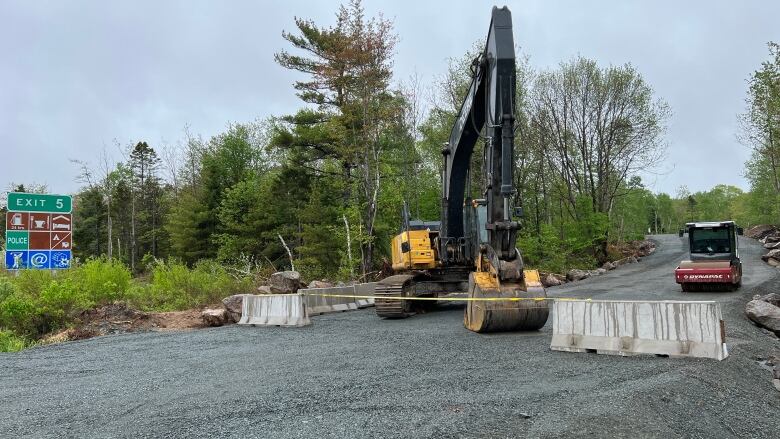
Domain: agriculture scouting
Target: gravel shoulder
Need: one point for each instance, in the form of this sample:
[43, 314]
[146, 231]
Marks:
[354, 375]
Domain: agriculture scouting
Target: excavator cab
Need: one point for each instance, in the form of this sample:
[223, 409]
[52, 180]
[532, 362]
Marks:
[413, 248]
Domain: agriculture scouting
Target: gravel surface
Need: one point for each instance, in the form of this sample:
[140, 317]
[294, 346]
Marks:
[353, 375]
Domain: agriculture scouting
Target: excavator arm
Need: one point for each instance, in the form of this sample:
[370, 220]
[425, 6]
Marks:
[487, 113]
[488, 106]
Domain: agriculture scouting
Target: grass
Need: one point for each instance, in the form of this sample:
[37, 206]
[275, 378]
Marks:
[10, 342]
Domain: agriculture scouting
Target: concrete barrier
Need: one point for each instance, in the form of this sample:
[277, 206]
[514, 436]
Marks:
[274, 310]
[318, 304]
[673, 328]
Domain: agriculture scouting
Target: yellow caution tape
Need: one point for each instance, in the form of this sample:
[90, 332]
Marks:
[448, 299]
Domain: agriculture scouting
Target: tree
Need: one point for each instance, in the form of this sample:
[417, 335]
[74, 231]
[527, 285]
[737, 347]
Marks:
[598, 127]
[146, 202]
[348, 68]
[761, 130]
[227, 159]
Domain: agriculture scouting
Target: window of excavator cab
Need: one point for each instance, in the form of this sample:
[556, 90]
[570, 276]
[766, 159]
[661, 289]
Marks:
[710, 240]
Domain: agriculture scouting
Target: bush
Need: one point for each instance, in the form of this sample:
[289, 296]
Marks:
[175, 287]
[6, 288]
[37, 302]
[102, 281]
[60, 302]
[10, 342]
[20, 314]
[32, 282]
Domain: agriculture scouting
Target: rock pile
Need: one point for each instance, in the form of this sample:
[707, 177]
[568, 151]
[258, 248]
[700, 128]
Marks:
[761, 231]
[575, 274]
[769, 236]
[644, 248]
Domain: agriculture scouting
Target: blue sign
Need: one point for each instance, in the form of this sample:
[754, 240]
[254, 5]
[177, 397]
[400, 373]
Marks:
[15, 260]
[60, 259]
[38, 259]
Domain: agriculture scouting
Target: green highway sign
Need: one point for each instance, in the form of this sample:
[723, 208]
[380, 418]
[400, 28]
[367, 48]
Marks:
[22, 202]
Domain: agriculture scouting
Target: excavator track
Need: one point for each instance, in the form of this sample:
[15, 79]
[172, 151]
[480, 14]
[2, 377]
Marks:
[393, 286]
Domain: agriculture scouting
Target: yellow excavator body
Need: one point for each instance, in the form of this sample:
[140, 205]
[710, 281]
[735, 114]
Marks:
[419, 255]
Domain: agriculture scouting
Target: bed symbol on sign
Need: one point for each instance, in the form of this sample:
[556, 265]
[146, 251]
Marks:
[60, 222]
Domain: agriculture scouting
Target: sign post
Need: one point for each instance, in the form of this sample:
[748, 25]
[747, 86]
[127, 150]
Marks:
[39, 231]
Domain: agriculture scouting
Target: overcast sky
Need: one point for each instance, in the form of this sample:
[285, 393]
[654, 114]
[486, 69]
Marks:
[76, 76]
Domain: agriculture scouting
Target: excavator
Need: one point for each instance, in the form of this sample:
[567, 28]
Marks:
[473, 247]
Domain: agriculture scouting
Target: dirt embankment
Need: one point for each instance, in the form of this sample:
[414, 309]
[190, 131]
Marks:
[118, 318]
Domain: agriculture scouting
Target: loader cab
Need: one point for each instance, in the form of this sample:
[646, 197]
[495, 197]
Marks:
[713, 241]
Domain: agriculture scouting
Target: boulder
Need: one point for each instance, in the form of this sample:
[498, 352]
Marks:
[764, 314]
[772, 298]
[760, 231]
[264, 289]
[773, 254]
[771, 239]
[773, 262]
[776, 383]
[285, 282]
[599, 271]
[771, 245]
[214, 317]
[233, 305]
[551, 281]
[609, 265]
[320, 284]
[575, 274]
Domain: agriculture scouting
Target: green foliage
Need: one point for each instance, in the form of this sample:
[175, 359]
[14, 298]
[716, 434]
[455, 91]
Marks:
[174, 286]
[190, 238]
[10, 342]
[545, 251]
[101, 281]
[36, 302]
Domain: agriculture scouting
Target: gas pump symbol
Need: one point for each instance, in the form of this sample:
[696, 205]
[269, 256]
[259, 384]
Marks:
[16, 219]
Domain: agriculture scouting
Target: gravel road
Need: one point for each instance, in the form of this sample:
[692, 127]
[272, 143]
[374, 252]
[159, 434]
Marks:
[353, 375]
